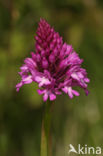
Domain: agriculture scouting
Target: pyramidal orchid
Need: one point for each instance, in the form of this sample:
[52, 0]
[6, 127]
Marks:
[56, 68]
[55, 65]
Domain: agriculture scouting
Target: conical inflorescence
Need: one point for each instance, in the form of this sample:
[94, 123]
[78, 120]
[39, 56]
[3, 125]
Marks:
[55, 66]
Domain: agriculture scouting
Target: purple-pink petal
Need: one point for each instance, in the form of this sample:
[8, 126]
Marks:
[52, 97]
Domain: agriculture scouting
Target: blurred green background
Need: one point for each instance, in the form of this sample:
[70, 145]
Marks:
[76, 121]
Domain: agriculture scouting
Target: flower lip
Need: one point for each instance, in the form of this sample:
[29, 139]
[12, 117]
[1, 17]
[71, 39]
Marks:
[42, 81]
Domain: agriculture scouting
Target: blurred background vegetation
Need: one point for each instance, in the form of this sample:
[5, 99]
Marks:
[77, 121]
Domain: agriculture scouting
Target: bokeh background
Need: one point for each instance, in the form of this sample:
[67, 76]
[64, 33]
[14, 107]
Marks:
[76, 121]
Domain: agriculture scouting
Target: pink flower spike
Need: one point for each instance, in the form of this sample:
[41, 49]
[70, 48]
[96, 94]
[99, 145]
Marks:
[55, 66]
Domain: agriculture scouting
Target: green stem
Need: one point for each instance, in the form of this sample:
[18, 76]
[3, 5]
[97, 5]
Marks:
[45, 133]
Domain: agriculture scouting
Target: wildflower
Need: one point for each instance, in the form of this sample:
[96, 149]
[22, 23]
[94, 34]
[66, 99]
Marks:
[55, 66]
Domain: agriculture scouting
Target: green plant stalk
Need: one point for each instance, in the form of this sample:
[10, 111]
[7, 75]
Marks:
[45, 132]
